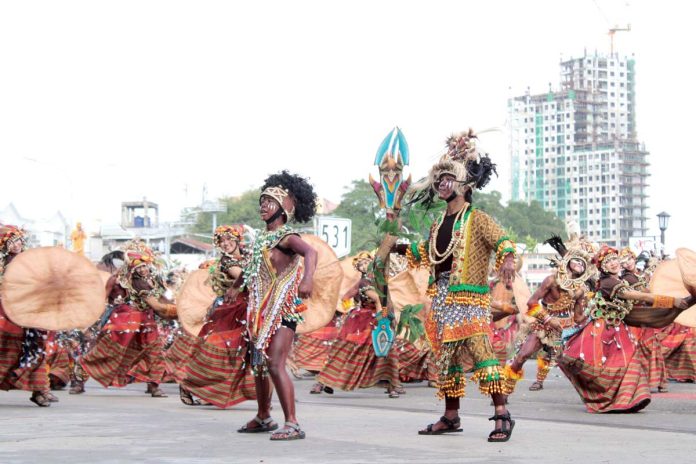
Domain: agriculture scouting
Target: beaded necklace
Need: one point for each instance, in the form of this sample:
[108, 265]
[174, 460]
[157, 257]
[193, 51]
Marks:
[435, 256]
[264, 240]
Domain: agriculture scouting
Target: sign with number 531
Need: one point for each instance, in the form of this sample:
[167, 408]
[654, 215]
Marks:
[336, 232]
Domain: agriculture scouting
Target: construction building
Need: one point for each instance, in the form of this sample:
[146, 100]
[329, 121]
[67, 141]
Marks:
[575, 150]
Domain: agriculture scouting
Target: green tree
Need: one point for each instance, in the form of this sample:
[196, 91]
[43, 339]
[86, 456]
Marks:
[242, 209]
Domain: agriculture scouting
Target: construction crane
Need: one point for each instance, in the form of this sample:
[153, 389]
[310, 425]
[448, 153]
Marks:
[613, 31]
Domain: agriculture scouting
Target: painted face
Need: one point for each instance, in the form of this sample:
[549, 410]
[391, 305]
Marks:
[576, 266]
[268, 207]
[611, 265]
[143, 271]
[228, 244]
[445, 186]
[14, 246]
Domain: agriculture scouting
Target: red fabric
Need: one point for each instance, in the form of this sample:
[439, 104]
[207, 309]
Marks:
[33, 378]
[606, 369]
[357, 328]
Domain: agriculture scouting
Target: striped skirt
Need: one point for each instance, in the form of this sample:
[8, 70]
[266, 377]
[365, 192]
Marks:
[352, 363]
[30, 378]
[128, 348]
[606, 368]
[216, 370]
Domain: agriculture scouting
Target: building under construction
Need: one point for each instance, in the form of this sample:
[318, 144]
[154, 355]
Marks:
[576, 151]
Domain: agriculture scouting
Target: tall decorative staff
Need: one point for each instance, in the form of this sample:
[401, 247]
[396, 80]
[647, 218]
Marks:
[392, 156]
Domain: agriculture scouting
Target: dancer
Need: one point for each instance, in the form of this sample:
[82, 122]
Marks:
[602, 360]
[130, 334]
[277, 280]
[457, 252]
[22, 351]
[352, 362]
[214, 368]
[557, 304]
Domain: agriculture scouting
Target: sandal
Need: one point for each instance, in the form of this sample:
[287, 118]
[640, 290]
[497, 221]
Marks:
[393, 393]
[536, 386]
[453, 425]
[157, 392]
[77, 387]
[51, 397]
[40, 399]
[187, 398]
[265, 425]
[506, 431]
[317, 388]
[328, 390]
[290, 431]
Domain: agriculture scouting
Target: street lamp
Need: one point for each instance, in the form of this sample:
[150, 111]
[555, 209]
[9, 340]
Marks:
[663, 221]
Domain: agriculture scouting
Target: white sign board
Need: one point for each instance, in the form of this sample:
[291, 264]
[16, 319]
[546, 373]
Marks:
[336, 232]
[645, 244]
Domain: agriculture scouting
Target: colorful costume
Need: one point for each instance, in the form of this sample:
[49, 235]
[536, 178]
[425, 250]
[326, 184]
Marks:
[352, 362]
[22, 351]
[560, 298]
[128, 347]
[215, 368]
[602, 360]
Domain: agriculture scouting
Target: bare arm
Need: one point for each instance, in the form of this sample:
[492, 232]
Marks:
[374, 297]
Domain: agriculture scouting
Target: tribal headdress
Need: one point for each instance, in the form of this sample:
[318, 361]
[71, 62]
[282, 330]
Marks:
[567, 254]
[234, 232]
[626, 254]
[605, 254]
[362, 256]
[137, 254]
[293, 193]
[471, 169]
[9, 233]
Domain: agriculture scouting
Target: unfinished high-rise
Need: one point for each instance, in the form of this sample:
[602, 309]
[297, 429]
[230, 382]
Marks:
[576, 151]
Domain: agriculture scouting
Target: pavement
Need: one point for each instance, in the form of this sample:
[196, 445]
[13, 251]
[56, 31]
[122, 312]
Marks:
[125, 425]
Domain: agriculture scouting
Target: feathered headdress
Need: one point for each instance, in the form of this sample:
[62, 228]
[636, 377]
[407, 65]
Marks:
[471, 169]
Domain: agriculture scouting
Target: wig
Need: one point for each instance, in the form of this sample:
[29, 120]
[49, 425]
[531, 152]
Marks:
[299, 190]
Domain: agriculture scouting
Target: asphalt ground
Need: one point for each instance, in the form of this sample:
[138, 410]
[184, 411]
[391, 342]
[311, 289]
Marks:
[126, 425]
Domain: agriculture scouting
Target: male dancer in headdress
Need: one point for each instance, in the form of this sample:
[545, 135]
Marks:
[557, 304]
[457, 253]
[277, 280]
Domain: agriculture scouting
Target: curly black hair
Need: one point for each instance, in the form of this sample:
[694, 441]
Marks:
[301, 191]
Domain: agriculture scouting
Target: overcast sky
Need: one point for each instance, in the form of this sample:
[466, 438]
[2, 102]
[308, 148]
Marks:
[103, 102]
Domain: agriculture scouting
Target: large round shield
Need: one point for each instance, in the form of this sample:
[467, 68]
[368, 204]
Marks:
[194, 298]
[671, 278]
[52, 288]
[327, 281]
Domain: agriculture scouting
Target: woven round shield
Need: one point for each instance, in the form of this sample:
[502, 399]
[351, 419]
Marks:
[327, 281]
[194, 298]
[669, 279]
[52, 288]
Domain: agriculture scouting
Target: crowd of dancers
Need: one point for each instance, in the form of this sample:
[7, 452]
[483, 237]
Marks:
[595, 316]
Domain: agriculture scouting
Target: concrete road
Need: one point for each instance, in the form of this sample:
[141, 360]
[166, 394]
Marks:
[117, 426]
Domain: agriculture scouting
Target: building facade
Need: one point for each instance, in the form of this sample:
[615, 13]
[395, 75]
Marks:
[575, 150]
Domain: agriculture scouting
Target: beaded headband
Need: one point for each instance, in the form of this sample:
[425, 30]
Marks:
[283, 198]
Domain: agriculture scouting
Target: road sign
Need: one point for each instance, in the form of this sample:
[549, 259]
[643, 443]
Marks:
[336, 232]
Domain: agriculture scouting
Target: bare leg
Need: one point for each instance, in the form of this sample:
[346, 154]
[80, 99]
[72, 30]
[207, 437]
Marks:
[530, 346]
[264, 392]
[499, 401]
[278, 351]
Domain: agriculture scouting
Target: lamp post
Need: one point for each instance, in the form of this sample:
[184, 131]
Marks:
[214, 207]
[663, 221]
